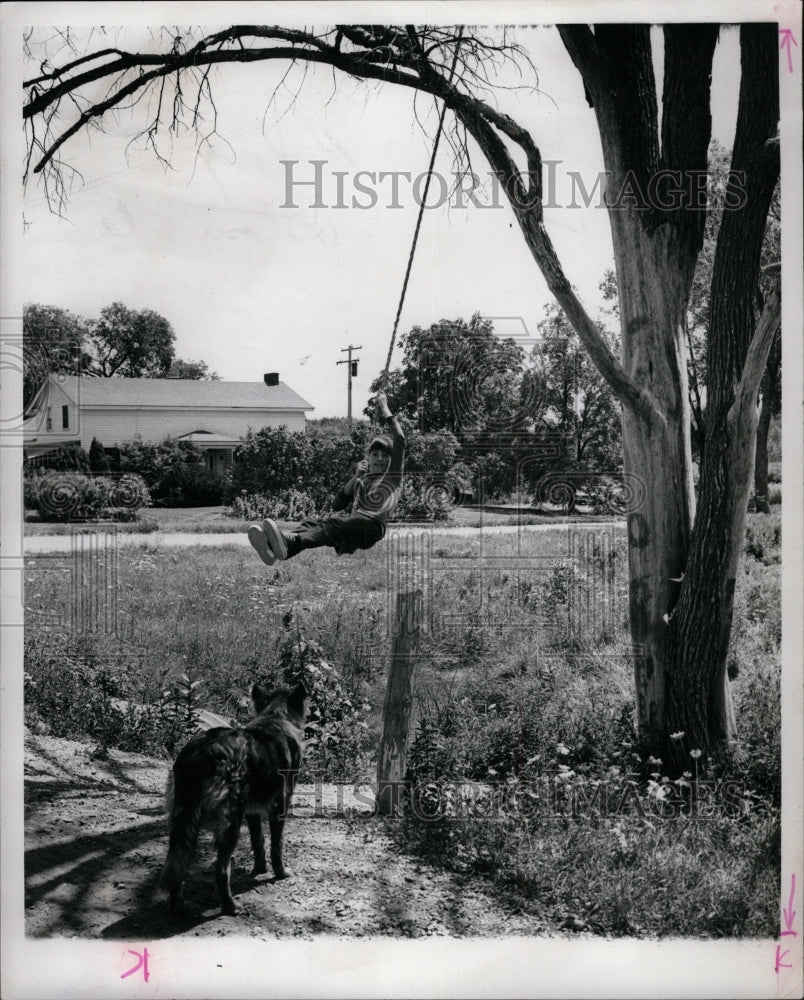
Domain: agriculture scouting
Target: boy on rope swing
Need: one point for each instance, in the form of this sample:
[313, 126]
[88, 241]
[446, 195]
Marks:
[373, 492]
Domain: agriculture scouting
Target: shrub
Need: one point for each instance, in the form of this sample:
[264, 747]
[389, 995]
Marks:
[98, 462]
[293, 506]
[271, 461]
[71, 691]
[174, 472]
[190, 486]
[605, 494]
[69, 496]
[336, 737]
[421, 499]
[70, 459]
[497, 476]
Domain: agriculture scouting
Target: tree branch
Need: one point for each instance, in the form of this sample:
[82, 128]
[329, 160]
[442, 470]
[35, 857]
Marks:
[391, 55]
[744, 408]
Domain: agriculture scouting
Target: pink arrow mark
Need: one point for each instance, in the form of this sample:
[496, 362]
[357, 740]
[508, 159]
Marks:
[788, 39]
[789, 914]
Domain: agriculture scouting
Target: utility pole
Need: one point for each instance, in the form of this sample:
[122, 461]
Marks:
[351, 371]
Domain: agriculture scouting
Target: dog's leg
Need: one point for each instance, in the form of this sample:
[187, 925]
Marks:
[277, 826]
[226, 841]
[183, 837]
[257, 844]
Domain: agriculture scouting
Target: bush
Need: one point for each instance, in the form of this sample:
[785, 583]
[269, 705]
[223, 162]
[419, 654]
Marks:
[271, 461]
[190, 486]
[174, 472]
[70, 496]
[293, 506]
[497, 476]
[421, 499]
[70, 459]
[75, 695]
[336, 736]
[98, 462]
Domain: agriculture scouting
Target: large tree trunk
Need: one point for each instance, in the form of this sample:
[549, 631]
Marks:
[698, 698]
[770, 396]
[682, 574]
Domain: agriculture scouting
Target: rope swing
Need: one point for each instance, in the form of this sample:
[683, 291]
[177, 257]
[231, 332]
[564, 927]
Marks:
[384, 378]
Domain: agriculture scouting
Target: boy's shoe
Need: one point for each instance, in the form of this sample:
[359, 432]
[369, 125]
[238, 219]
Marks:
[276, 539]
[257, 538]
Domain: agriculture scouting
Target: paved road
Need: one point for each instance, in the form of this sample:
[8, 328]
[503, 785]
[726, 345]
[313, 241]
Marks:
[34, 545]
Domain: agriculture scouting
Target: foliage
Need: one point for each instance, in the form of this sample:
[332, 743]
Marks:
[73, 458]
[293, 505]
[121, 341]
[75, 693]
[576, 403]
[130, 343]
[53, 341]
[496, 475]
[98, 462]
[69, 496]
[421, 499]
[271, 461]
[180, 706]
[174, 472]
[336, 737]
[456, 376]
[198, 370]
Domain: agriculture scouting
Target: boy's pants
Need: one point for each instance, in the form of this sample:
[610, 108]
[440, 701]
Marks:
[346, 533]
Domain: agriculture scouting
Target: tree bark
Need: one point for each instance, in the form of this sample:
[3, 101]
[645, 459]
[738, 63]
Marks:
[699, 702]
[770, 396]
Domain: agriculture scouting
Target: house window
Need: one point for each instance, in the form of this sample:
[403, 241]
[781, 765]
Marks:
[49, 420]
[65, 417]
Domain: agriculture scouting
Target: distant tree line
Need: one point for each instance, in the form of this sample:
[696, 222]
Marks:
[122, 342]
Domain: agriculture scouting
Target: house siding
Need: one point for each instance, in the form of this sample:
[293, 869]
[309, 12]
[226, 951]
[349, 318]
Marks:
[55, 399]
[153, 424]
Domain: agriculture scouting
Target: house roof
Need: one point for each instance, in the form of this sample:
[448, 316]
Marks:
[180, 392]
[208, 438]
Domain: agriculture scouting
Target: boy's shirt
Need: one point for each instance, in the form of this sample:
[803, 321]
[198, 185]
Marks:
[376, 496]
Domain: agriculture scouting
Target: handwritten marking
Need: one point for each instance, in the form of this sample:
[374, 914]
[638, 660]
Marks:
[142, 963]
[779, 956]
[788, 38]
[789, 914]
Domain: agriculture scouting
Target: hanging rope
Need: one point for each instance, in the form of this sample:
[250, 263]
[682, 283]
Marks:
[421, 213]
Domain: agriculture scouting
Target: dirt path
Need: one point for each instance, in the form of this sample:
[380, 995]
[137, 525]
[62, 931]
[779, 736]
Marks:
[95, 843]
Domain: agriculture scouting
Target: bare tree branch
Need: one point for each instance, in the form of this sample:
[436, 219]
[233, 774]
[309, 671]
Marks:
[415, 57]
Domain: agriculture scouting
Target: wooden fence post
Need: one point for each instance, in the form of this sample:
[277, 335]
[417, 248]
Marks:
[392, 756]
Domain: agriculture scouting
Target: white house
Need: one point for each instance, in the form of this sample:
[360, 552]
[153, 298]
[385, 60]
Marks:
[72, 410]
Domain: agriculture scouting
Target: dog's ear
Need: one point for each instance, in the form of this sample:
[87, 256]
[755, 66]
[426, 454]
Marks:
[298, 699]
[260, 696]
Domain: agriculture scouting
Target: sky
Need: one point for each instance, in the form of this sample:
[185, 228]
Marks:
[254, 279]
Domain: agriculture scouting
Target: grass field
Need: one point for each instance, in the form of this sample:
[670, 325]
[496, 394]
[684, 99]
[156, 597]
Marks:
[525, 689]
[213, 520]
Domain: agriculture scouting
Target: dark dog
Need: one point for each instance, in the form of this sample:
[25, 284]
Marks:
[224, 774]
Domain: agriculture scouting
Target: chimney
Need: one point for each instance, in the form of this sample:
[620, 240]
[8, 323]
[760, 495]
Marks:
[271, 378]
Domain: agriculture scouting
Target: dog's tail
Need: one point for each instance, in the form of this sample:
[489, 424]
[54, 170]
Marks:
[184, 823]
[170, 798]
